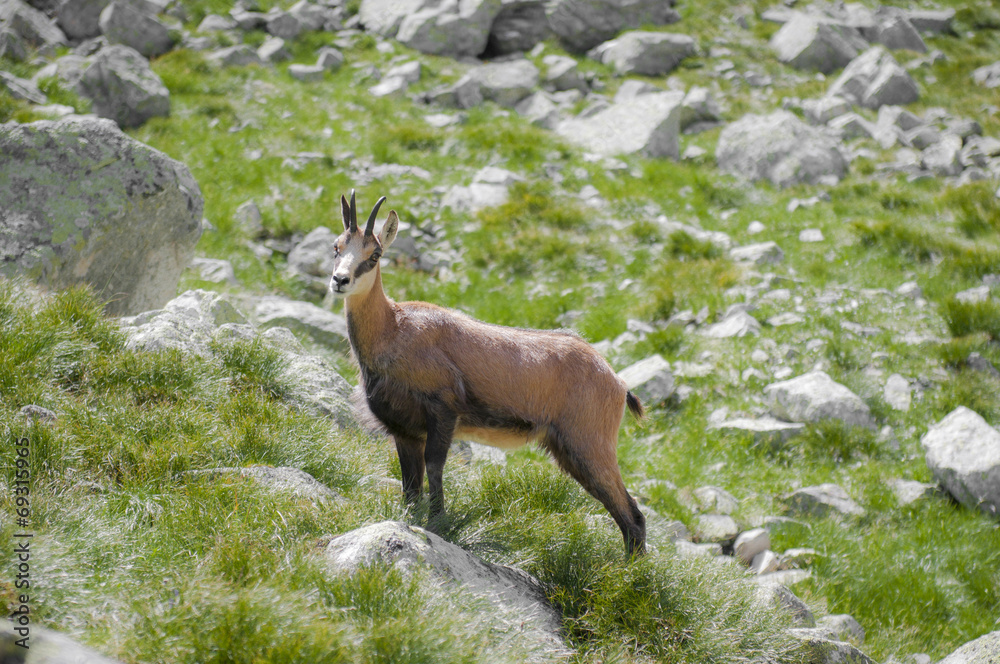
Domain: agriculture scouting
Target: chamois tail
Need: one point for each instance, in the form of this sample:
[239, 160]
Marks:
[635, 406]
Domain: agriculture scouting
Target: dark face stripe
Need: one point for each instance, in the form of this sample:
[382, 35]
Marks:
[368, 265]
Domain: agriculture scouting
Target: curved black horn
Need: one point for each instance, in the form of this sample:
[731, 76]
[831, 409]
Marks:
[354, 214]
[371, 218]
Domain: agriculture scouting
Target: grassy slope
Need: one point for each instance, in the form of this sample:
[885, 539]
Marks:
[919, 579]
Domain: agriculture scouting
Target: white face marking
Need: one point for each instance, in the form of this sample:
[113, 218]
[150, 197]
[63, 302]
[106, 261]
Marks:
[352, 257]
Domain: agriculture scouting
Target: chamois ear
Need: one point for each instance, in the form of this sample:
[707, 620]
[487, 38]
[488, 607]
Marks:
[347, 212]
[389, 228]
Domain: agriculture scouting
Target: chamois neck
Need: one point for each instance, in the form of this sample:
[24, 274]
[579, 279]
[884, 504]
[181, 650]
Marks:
[370, 319]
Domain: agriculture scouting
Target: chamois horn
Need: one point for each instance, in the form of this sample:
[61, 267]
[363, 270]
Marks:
[371, 218]
[354, 213]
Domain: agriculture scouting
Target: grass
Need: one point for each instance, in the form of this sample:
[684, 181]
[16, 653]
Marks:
[159, 567]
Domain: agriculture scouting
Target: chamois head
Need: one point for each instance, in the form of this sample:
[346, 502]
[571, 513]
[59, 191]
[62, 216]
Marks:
[356, 254]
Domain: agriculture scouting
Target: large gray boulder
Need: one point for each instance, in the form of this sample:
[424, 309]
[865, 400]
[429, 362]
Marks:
[963, 453]
[44, 646]
[583, 24]
[984, 650]
[646, 53]
[814, 397]
[781, 148]
[81, 19]
[648, 125]
[122, 87]
[29, 25]
[383, 17]
[505, 83]
[451, 28]
[894, 30]
[874, 79]
[806, 42]
[517, 598]
[84, 203]
[324, 327]
[518, 27]
[127, 22]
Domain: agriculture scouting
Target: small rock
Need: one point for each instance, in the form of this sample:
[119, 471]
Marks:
[811, 235]
[306, 73]
[645, 53]
[764, 562]
[714, 499]
[281, 479]
[738, 324]
[963, 453]
[330, 58]
[764, 253]
[214, 270]
[983, 650]
[897, 393]
[814, 397]
[715, 528]
[34, 413]
[910, 491]
[750, 543]
[799, 558]
[650, 379]
[820, 501]
[765, 430]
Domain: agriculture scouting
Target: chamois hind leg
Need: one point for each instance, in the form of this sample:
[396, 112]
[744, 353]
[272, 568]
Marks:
[440, 429]
[411, 466]
[599, 474]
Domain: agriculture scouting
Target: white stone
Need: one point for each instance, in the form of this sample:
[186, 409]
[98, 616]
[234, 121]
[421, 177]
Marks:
[811, 235]
[814, 397]
[750, 543]
[765, 430]
[764, 562]
[763, 253]
[645, 53]
[738, 324]
[650, 379]
[963, 453]
[897, 393]
[821, 500]
[324, 327]
[648, 125]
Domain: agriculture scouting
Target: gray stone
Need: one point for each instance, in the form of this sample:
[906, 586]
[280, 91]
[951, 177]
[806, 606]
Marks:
[124, 22]
[974, 294]
[806, 42]
[988, 75]
[214, 23]
[21, 88]
[780, 148]
[240, 55]
[273, 50]
[518, 27]
[324, 327]
[715, 499]
[963, 454]
[122, 87]
[84, 203]
[765, 562]
[750, 543]
[30, 26]
[841, 627]
[383, 17]
[186, 323]
[539, 109]
[765, 430]
[518, 599]
[715, 528]
[506, 83]
[330, 58]
[313, 256]
[852, 125]
[285, 25]
[820, 501]
[825, 108]
[648, 125]
[943, 157]
[827, 651]
[46, 646]
[984, 650]
[214, 270]
[306, 73]
[313, 16]
[775, 595]
[583, 24]
[935, 21]
[469, 452]
[814, 397]
[875, 79]
[563, 73]
[649, 379]
[80, 19]
[645, 53]
[737, 324]
[248, 20]
[762, 253]
[34, 413]
[894, 30]
[449, 28]
[908, 492]
[897, 393]
[793, 559]
[11, 44]
[489, 188]
[699, 106]
[280, 479]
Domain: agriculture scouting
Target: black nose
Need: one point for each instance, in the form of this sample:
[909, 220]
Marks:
[340, 282]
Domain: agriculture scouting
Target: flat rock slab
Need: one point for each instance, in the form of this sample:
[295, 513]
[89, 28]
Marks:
[821, 500]
[814, 397]
[984, 650]
[46, 646]
[765, 430]
[85, 203]
[518, 597]
[648, 125]
[645, 53]
[282, 479]
[963, 453]
[324, 327]
[583, 24]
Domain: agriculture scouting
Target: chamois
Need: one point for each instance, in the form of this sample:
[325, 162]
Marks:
[429, 374]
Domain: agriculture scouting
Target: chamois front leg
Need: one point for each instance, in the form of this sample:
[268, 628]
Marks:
[411, 466]
[440, 429]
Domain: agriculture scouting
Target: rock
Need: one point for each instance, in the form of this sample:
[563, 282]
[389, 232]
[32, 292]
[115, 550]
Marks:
[518, 26]
[650, 380]
[123, 22]
[583, 24]
[935, 21]
[699, 106]
[46, 647]
[852, 125]
[793, 559]
[389, 86]
[820, 501]
[781, 148]
[963, 454]
[317, 16]
[517, 598]
[908, 492]
[827, 651]
[841, 627]
[807, 42]
[248, 20]
[383, 17]
[273, 50]
[773, 594]
[330, 58]
[214, 270]
[648, 125]
[977, 362]
[765, 562]
[814, 397]
[448, 28]
[897, 393]
[563, 73]
[763, 253]
[324, 327]
[715, 528]
[187, 323]
[765, 430]
[240, 55]
[645, 53]
[984, 650]
[909, 289]
[974, 295]
[894, 31]
[216, 23]
[875, 79]
[20, 88]
[988, 76]
[11, 44]
[750, 543]
[825, 108]
[313, 256]
[281, 479]
[80, 19]
[34, 413]
[714, 499]
[29, 27]
[738, 324]
[539, 109]
[506, 83]
[489, 188]
[283, 24]
[810, 235]
[122, 87]
[306, 73]
[943, 158]
[469, 452]
[84, 203]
